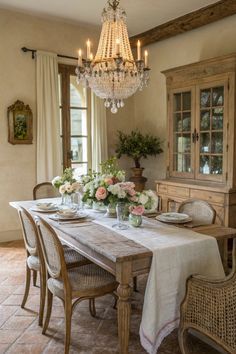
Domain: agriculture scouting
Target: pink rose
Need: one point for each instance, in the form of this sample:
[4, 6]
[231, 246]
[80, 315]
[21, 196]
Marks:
[137, 210]
[108, 181]
[132, 192]
[101, 193]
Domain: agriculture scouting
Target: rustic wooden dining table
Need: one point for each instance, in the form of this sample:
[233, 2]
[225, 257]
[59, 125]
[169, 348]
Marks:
[122, 257]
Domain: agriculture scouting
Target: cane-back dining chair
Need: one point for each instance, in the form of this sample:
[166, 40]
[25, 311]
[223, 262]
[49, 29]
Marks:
[35, 262]
[45, 190]
[200, 211]
[70, 285]
[209, 308]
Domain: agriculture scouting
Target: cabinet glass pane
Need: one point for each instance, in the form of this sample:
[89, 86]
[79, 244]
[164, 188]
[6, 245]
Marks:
[205, 98]
[79, 149]
[78, 122]
[186, 143]
[218, 96]
[178, 143]
[205, 120]
[186, 121]
[217, 118]
[205, 142]
[177, 122]
[177, 102]
[80, 169]
[186, 101]
[182, 163]
[216, 165]
[217, 143]
[205, 164]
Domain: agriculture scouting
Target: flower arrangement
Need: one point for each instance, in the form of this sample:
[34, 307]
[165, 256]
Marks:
[148, 199]
[137, 210]
[66, 184]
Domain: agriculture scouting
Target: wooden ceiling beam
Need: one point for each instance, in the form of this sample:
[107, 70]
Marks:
[188, 22]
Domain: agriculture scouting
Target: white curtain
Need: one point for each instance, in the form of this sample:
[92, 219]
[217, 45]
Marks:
[99, 132]
[48, 124]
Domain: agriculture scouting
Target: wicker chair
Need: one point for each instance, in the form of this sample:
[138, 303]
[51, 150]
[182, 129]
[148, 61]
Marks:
[86, 282]
[200, 211]
[209, 308]
[45, 190]
[34, 261]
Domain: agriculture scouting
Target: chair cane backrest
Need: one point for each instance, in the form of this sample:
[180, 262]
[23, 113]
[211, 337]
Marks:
[29, 231]
[45, 190]
[200, 211]
[52, 249]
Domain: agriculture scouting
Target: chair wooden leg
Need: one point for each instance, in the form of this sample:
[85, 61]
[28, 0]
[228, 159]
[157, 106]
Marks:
[49, 311]
[42, 297]
[182, 336]
[135, 284]
[27, 286]
[68, 315]
[35, 277]
[92, 307]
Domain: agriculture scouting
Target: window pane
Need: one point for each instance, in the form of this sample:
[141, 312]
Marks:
[59, 89]
[77, 94]
[217, 118]
[205, 120]
[79, 149]
[186, 101]
[78, 122]
[177, 122]
[187, 121]
[205, 98]
[177, 102]
[205, 165]
[205, 142]
[80, 169]
[218, 96]
[216, 165]
[217, 143]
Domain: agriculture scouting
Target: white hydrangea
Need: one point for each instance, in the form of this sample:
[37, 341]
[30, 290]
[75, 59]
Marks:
[143, 198]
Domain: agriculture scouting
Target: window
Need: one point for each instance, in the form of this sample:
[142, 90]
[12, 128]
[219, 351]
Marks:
[75, 102]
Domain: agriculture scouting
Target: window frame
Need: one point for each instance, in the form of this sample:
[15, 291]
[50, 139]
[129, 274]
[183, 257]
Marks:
[65, 71]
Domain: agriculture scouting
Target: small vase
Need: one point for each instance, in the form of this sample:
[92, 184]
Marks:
[69, 200]
[135, 220]
[111, 211]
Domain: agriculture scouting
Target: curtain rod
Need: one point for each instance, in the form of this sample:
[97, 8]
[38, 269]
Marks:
[34, 51]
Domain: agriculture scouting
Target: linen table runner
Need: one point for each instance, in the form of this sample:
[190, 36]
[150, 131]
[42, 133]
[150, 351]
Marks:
[177, 254]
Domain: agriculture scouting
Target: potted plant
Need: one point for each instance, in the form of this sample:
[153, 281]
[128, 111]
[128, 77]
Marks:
[137, 146]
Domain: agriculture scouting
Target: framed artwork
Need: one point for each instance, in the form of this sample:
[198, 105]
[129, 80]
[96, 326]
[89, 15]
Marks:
[20, 124]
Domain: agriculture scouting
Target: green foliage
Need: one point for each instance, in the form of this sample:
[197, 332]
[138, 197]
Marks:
[110, 166]
[136, 146]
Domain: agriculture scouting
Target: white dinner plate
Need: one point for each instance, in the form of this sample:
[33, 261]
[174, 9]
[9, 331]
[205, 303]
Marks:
[77, 216]
[176, 218]
[39, 210]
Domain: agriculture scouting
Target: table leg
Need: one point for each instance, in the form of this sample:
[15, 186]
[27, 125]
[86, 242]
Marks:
[124, 311]
[124, 291]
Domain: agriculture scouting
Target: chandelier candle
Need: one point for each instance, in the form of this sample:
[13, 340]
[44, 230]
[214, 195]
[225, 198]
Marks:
[146, 59]
[80, 57]
[113, 74]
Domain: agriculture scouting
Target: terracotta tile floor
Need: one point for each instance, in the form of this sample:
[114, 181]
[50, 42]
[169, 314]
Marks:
[20, 334]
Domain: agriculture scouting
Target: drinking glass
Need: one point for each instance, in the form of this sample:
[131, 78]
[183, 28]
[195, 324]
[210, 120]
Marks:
[120, 212]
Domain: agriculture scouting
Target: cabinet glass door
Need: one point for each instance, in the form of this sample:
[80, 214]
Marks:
[210, 132]
[181, 144]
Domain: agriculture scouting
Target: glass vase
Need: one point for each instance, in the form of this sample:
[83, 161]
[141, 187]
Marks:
[120, 212]
[111, 211]
[135, 220]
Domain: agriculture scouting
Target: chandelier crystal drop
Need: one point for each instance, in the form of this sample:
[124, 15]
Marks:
[113, 74]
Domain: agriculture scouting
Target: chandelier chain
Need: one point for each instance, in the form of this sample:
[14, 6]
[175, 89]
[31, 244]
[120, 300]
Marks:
[114, 4]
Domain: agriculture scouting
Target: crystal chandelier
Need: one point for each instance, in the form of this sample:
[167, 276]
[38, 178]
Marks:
[113, 74]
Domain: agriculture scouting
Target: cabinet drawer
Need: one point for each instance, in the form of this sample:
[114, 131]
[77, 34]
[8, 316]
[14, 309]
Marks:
[212, 197]
[178, 191]
[162, 188]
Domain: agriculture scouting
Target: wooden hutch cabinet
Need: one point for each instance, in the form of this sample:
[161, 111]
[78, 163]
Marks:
[201, 161]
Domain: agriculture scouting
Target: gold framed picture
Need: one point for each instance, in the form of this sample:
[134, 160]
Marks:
[20, 123]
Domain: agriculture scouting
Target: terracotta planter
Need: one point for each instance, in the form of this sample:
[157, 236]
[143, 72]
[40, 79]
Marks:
[138, 179]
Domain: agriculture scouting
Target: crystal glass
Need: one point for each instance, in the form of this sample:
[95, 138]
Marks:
[120, 212]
